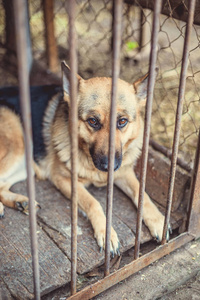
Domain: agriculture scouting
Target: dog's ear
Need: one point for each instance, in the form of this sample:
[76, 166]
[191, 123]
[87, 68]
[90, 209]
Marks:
[140, 87]
[66, 77]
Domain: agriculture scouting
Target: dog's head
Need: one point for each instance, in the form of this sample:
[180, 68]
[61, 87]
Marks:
[94, 100]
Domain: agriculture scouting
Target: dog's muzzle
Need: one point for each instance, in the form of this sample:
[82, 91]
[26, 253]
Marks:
[101, 161]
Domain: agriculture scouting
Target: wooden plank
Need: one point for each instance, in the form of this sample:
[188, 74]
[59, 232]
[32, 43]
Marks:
[16, 261]
[59, 228]
[158, 177]
[54, 219]
[4, 292]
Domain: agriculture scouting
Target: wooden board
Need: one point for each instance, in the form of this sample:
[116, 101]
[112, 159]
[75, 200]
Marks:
[54, 233]
[55, 219]
[16, 262]
[158, 169]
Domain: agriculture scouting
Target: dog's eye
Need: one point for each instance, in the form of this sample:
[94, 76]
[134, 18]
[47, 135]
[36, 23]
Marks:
[121, 123]
[93, 123]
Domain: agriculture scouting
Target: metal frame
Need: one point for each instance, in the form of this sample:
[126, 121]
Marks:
[193, 226]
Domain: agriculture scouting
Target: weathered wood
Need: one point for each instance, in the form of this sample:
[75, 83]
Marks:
[59, 227]
[16, 261]
[158, 177]
[54, 233]
[172, 8]
[51, 46]
[4, 292]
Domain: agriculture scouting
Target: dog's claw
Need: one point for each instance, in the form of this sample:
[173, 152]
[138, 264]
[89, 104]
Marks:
[24, 207]
[21, 206]
[112, 254]
[169, 228]
[118, 252]
[169, 231]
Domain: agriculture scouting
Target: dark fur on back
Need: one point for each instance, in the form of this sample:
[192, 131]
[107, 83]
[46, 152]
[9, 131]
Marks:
[40, 97]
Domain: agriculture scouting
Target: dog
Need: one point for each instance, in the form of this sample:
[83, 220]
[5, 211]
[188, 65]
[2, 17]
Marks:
[52, 159]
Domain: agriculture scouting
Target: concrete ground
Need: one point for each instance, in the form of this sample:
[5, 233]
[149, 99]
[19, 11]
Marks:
[174, 277]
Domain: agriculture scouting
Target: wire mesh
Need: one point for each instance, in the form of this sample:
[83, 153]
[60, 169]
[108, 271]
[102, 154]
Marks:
[94, 31]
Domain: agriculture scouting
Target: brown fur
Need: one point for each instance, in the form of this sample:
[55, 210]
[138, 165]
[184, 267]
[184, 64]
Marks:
[94, 97]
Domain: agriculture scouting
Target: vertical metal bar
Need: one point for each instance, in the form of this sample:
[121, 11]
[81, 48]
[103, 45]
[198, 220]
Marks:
[74, 142]
[178, 116]
[22, 53]
[194, 210]
[150, 89]
[141, 32]
[115, 74]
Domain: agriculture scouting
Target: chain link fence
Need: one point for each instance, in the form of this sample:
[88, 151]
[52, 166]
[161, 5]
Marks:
[94, 30]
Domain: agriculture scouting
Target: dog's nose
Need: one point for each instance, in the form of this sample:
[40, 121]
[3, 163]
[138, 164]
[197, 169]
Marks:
[104, 164]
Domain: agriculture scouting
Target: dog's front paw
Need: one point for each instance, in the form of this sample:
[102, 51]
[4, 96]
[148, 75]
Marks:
[155, 223]
[24, 207]
[100, 234]
[1, 210]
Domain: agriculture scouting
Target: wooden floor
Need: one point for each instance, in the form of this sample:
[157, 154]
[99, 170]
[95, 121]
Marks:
[54, 240]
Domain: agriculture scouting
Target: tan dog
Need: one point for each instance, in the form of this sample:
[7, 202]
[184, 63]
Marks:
[94, 97]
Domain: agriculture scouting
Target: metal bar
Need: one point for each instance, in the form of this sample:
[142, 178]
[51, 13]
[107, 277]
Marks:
[74, 142]
[115, 74]
[51, 47]
[150, 89]
[178, 116]
[194, 210]
[141, 32]
[22, 53]
[168, 153]
[131, 268]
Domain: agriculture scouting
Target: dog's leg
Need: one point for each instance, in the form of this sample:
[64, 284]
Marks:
[13, 200]
[152, 217]
[93, 210]
[1, 210]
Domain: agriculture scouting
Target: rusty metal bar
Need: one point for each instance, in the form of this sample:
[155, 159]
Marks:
[22, 53]
[141, 32]
[51, 47]
[194, 210]
[178, 116]
[74, 142]
[150, 89]
[115, 74]
[131, 268]
[183, 164]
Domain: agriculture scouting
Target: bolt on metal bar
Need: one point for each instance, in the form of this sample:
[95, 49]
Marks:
[22, 53]
[148, 111]
[178, 117]
[74, 142]
[115, 74]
